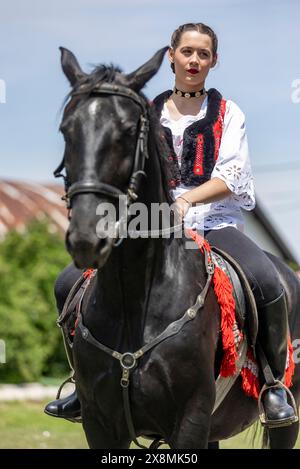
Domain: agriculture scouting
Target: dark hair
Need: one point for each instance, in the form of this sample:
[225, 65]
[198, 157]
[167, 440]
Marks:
[201, 28]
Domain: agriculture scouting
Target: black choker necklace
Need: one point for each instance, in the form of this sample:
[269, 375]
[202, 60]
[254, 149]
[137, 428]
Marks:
[191, 94]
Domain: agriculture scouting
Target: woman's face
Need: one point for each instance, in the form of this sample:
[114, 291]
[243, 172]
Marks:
[192, 59]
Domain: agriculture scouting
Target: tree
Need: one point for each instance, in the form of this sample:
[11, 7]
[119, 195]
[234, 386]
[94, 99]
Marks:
[29, 265]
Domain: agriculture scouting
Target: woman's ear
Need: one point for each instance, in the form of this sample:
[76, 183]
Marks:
[215, 60]
[171, 54]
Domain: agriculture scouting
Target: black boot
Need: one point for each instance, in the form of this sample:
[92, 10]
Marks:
[69, 407]
[66, 408]
[272, 350]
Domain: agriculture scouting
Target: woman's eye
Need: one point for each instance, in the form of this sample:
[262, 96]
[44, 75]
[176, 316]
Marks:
[200, 54]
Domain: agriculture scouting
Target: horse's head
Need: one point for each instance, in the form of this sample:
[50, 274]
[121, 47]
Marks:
[105, 126]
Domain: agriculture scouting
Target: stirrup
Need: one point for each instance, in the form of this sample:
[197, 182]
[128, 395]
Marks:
[68, 380]
[276, 423]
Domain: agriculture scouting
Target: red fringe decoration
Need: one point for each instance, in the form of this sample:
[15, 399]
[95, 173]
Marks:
[223, 290]
[88, 273]
[289, 372]
[250, 382]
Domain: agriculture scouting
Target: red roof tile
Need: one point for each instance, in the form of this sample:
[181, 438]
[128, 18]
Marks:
[21, 202]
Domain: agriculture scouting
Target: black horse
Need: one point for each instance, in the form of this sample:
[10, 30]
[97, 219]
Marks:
[143, 284]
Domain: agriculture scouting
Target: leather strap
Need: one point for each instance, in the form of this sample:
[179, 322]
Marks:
[223, 385]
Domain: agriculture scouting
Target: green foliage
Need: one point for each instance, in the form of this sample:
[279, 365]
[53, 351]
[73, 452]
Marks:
[29, 265]
[294, 266]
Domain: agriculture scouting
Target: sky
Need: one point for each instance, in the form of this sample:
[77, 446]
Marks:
[259, 69]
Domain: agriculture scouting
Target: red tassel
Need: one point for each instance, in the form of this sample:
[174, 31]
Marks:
[223, 291]
[250, 382]
[201, 242]
[88, 273]
[289, 372]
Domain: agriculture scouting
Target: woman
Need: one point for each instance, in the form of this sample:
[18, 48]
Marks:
[210, 167]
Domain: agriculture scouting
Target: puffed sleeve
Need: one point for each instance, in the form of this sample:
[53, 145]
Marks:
[233, 163]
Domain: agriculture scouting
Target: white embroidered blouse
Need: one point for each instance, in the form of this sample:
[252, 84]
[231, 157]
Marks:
[232, 166]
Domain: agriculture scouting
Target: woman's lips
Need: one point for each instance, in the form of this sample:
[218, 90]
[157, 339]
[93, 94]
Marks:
[193, 71]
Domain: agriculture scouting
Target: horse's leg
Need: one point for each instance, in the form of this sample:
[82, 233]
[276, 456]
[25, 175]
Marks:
[99, 436]
[192, 431]
[285, 437]
[213, 445]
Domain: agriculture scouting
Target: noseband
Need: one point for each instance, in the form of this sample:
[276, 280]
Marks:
[141, 153]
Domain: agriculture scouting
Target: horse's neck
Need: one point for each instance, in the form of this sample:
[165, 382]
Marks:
[138, 274]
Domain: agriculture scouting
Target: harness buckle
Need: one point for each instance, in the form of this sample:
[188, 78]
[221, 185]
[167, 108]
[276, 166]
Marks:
[125, 378]
[210, 268]
[128, 361]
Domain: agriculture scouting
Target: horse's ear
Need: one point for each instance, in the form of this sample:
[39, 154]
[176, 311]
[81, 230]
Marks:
[70, 66]
[137, 80]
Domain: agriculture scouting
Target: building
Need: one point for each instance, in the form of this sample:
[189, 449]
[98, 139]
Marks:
[21, 202]
[24, 201]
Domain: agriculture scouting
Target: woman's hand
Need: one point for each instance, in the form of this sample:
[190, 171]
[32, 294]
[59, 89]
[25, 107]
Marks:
[182, 206]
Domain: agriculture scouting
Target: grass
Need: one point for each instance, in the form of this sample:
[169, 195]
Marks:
[24, 425]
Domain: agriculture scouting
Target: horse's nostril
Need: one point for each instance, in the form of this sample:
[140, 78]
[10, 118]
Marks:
[67, 242]
[76, 242]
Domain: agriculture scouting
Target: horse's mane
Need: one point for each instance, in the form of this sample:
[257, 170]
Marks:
[113, 74]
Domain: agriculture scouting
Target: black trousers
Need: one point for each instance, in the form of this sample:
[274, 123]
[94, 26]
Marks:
[258, 268]
[64, 283]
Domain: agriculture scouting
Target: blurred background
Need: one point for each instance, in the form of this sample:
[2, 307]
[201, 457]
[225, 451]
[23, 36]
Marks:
[258, 68]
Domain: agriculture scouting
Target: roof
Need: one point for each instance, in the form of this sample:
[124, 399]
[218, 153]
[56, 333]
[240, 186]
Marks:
[21, 202]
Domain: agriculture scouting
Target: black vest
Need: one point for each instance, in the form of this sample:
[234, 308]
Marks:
[199, 143]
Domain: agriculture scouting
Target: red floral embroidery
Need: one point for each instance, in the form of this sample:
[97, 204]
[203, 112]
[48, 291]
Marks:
[218, 128]
[198, 166]
[217, 132]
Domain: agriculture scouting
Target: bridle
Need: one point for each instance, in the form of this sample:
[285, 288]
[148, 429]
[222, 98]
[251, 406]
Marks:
[141, 154]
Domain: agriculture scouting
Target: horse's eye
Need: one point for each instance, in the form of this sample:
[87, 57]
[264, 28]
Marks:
[65, 132]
